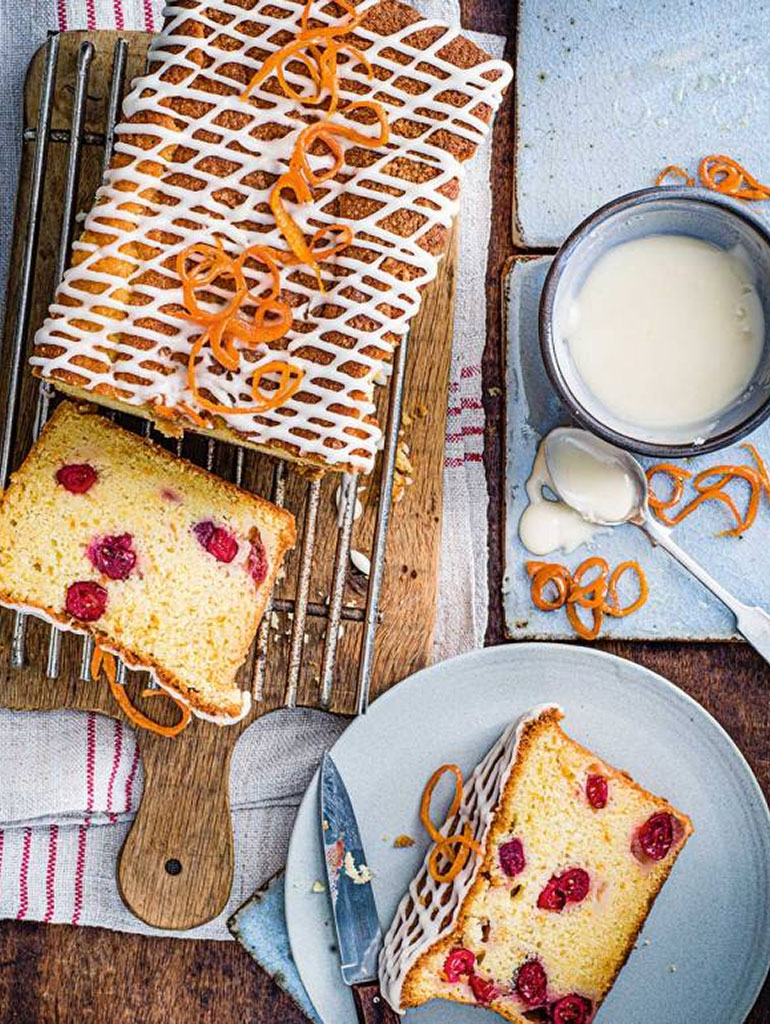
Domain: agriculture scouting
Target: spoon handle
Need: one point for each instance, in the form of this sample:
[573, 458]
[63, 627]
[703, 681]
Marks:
[753, 623]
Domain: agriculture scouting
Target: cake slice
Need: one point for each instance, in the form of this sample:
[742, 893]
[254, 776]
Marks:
[538, 926]
[162, 563]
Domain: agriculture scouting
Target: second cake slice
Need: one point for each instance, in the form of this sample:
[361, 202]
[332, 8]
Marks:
[159, 561]
[538, 925]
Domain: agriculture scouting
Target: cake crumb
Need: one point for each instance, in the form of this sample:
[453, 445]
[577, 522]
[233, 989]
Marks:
[403, 475]
[672, 968]
[318, 886]
[360, 875]
[403, 841]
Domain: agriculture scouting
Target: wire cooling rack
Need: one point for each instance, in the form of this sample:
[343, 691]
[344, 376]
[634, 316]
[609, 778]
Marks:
[295, 598]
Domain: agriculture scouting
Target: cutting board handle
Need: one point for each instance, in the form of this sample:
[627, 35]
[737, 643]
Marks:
[176, 866]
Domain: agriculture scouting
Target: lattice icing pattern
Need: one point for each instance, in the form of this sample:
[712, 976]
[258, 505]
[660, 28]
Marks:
[196, 160]
[429, 909]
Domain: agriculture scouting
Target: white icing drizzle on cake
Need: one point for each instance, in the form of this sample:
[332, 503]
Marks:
[367, 307]
[424, 916]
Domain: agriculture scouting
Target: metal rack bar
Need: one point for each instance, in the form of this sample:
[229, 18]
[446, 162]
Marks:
[277, 496]
[29, 253]
[303, 592]
[366, 664]
[349, 490]
[25, 294]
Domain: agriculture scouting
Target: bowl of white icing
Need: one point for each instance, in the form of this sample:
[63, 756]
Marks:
[655, 322]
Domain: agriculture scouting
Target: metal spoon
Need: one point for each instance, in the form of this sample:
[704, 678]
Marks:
[752, 623]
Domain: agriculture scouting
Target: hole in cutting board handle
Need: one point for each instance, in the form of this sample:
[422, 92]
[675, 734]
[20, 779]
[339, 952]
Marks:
[173, 866]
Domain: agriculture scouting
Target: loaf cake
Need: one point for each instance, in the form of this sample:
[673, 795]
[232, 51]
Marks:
[539, 924]
[206, 154]
[104, 533]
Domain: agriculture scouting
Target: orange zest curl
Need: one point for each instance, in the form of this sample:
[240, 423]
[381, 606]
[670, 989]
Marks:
[711, 485]
[598, 595]
[455, 848]
[720, 173]
[104, 663]
[723, 174]
[674, 171]
[300, 179]
[200, 266]
[317, 50]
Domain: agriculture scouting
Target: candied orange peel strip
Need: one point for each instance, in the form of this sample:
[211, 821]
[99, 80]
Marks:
[674, 171]
[300, 177]
[200, 267]
[104, 663]
[720, 173]
[598, 595]
[317, 50]
[724, 174]
[710, 485]
[455, 848]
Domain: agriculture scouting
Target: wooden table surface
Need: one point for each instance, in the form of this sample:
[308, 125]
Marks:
[55, 974]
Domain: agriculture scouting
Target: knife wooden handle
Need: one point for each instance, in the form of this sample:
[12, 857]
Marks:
[371, 1007]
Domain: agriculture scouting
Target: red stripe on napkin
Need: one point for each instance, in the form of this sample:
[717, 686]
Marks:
[80, 864]
[61, 14]
[466, 404]
[50, 873]
[460, 460]
[117, 751]
[24, 876]
[466, 431]
[131, 776]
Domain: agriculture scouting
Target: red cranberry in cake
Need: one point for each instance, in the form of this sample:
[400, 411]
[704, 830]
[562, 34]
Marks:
[483, 989]
[653, 840]
[77, 478]
[460, 962]
[257, 558]
[512, 859]
[218, 541]
[572, 1009]
[597, 791]
[114, 556]
[86, 600]
[531, 983]
[575, 884]
[570, 887]
[552, 897]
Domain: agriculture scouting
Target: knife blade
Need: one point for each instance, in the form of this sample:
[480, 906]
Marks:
[359, 936]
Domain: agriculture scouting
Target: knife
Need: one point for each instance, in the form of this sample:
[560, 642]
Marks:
[359, 935]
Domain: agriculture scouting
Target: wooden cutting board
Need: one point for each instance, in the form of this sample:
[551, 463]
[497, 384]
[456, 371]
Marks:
[176, 866]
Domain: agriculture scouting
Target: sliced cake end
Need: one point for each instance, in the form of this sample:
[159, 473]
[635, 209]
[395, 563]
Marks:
[162, 563]
[537, 927]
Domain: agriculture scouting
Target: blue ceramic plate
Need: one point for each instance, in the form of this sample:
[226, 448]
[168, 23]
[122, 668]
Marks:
[704, 951]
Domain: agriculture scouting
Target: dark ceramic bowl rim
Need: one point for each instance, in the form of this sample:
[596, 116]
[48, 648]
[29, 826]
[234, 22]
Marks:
[547, 341]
